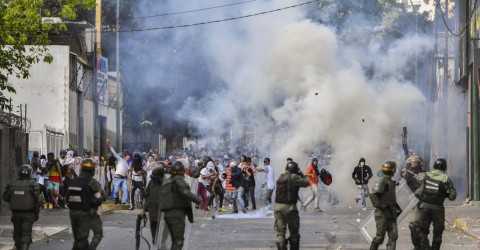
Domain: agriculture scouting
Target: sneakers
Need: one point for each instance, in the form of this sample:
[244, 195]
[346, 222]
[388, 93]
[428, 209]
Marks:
[269, 212]
[235, 212]
[254, 207]
[304, 208]
[130, 208]
[317, 209]
[230, 206]
[244, 211]
[222, 209]
[364, 208]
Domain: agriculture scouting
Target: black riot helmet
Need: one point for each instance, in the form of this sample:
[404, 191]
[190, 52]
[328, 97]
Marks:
[441, 164]
[157, 174]
[177, 168]
[292, 167]
[389, 167]
[25, 171]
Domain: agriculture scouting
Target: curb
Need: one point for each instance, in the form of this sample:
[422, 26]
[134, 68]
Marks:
[38, 233]
[463, 225]
[114, 207]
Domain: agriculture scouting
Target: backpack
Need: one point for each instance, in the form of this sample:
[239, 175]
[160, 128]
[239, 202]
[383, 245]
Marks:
[325, 177]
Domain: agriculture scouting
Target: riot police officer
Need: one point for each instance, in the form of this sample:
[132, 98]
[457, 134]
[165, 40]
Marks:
[84, 196]
[152, 198]
[435, 188]
[23, 195]
[383, 198]
[176, 201]
[285, 207]
[413, 174]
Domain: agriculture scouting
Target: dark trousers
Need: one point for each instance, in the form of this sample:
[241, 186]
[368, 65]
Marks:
[81, 230]
[218, 191]
[176, 226]
[292, 220]
[386, 222]
[22, 229]
[97, 229]
[250, 194]
[46, 194]
[437, 219]
[135, 185]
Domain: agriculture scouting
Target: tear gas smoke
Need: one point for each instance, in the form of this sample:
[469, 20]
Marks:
[289, 77]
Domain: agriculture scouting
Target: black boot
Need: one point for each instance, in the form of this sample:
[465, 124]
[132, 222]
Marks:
[24, 246]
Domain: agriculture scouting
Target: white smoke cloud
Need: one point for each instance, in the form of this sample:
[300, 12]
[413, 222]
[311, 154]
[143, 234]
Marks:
[300, 86]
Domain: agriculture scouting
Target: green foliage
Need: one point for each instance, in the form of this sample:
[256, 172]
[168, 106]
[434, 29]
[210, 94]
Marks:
[21, 25]
[384, 19]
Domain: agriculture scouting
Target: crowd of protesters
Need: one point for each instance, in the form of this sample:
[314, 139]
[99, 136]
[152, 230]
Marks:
[229, 178]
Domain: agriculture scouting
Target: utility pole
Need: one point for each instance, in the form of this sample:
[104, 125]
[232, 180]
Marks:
[117, 68]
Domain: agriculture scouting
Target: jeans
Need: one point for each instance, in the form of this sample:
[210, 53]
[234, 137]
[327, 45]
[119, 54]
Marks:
[268, 198]
[121, 183]
[364, 194]
[238, 194]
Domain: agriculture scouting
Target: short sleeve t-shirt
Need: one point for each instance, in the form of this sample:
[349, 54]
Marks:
[312, 180]
[270, 177]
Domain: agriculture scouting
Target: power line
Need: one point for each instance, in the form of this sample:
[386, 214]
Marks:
[188, 11]
[464, 27]
[216, 21]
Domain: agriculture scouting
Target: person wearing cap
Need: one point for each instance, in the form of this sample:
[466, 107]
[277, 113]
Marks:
[84, 196]
[269, 182]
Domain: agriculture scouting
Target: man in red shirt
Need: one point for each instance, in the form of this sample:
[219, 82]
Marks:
[312, 173]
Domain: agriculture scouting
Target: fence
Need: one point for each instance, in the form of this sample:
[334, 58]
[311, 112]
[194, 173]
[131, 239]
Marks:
[13, 153]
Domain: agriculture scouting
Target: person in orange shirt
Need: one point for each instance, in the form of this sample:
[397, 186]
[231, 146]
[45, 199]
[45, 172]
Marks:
[312, 173]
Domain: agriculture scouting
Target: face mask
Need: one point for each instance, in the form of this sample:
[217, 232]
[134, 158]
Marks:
[362, 164]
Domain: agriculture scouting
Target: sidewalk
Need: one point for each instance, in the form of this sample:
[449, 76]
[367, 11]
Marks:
[465, 218]
[48, 224]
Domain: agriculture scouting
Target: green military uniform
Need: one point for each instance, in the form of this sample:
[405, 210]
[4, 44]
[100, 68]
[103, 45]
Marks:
[84, 196]
[23, 195]
[285, 209]
[436, 187]
[176, 201]
[383, 198]
[152, 206]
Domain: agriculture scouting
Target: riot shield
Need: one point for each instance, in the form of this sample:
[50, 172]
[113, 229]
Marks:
[193, 182]
[162, 231]
[405, 199]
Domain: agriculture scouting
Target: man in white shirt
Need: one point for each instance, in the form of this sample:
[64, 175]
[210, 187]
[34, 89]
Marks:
[120, 177]
[269, 182]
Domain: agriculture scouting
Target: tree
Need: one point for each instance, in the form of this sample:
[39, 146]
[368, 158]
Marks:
[29, 22]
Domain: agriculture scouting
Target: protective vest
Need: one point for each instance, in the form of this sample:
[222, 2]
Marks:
[78, 196]
[171, 199]
[434, 191]
[286, 193]
[22, 195]
[387, 197]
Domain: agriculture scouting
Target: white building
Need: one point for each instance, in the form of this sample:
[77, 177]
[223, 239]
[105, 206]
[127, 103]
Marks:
[59, 99]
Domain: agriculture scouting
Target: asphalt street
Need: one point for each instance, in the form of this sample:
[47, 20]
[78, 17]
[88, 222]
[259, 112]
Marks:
[336, 228]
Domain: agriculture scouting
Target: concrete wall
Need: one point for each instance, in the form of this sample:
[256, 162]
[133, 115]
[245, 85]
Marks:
[46, 95]
[52, 96]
